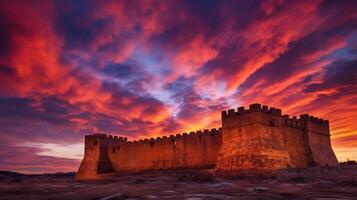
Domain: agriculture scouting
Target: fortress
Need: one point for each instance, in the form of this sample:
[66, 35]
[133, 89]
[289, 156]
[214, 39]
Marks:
[258, 138]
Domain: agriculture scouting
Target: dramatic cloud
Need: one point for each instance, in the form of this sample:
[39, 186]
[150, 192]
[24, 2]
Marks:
[149, 68]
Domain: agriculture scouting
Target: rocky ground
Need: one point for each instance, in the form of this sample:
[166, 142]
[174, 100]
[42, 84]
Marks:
[312, 183]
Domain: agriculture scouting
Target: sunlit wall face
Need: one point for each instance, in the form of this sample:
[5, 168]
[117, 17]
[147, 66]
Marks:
[149, 68]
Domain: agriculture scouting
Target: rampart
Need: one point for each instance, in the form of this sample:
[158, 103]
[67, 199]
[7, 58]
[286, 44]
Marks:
[257, 138]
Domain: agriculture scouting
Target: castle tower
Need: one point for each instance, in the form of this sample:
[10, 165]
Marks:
[318, 139]
[252, 140]
[95, 159]
[262, 139]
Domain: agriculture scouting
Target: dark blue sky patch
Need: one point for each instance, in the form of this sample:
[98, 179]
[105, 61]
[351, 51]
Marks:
[121, 71]
[74, 21]
[18, 110]
[342, 74]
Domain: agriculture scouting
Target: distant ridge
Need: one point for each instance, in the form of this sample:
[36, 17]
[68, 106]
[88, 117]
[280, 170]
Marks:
[4, 174]
[10, 174]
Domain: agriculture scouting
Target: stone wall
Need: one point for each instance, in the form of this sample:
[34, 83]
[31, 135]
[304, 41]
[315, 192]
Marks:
[318, 136]
[182, 151]
[296, 146]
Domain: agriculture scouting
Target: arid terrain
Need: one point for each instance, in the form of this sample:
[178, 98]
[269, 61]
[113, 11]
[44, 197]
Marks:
[312, 183]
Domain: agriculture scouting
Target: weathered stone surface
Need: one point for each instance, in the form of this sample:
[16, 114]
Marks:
[186, 151]
[259, 138]
[95, 159]
[252, 147]
[320, 144]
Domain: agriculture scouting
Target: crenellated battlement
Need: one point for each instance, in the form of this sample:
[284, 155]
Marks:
[300, 122]
[287, 121]
[292, 122]
[207, 132]
[252, 108]
[316, 120]
[107, 137]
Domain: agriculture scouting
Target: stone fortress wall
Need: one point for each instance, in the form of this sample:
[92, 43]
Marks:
[258, 138]
[182, 151]
[194, 150]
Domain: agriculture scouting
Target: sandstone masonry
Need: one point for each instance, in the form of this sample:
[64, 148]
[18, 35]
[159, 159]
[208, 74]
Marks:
[258, 138]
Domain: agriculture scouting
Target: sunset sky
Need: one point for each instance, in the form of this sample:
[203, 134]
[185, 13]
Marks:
[149, 68]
